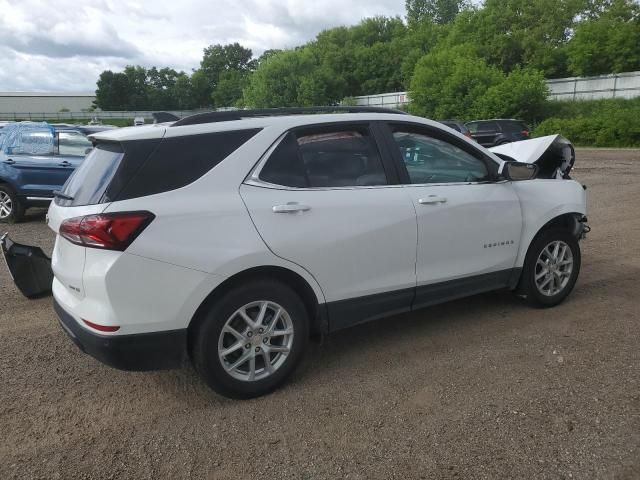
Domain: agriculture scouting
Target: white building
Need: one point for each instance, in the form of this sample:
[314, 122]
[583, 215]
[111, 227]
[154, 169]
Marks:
[44, 102]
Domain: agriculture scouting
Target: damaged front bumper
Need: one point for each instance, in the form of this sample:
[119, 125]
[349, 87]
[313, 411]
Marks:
[29, 267]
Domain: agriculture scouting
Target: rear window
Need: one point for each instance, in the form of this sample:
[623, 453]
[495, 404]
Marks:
[90, 180]
[132, 169]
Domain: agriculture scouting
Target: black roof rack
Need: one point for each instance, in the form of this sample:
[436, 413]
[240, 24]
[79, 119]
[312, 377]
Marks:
[161, 117]
[228, 115]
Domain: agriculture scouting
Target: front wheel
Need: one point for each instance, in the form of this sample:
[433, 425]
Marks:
[251, 339]
[11, 210]
[551, 268]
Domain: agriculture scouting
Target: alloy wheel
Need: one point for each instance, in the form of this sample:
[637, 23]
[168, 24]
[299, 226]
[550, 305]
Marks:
[553, 268]
[255, 341]
[6, 205]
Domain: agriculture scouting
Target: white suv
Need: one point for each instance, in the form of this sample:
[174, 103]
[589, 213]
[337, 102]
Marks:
[230, 238]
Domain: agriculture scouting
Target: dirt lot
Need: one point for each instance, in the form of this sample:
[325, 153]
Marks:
[480, 388]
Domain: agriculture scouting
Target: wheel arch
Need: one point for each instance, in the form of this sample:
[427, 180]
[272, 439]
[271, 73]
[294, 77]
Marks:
[571, 221]
[315, 308]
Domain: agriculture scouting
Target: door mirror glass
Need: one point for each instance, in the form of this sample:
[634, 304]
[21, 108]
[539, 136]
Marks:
[516, 171]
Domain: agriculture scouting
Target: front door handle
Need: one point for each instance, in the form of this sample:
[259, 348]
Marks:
[64, 163]
[10, 161]
[432, 200]
[291, 207]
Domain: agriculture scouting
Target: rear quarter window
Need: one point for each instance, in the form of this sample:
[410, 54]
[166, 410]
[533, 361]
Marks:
[179, 161]
[137, 168]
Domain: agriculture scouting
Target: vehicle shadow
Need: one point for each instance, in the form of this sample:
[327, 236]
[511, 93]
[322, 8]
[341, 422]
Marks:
[33, 215]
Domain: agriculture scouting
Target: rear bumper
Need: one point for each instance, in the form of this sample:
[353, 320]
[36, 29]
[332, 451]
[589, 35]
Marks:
[141, 351]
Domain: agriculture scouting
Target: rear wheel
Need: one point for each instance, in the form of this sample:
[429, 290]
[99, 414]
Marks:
[11, 210]
[251, 339]
[551, 268]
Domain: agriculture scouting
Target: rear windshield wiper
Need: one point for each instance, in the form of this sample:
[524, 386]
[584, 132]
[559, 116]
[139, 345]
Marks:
[59, 194]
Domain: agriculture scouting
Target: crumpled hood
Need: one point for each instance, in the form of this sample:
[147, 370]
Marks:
[553, 154]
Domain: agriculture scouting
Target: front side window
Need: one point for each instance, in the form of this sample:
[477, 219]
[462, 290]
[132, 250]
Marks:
[73, 143]
[432, 160]
[326, 157]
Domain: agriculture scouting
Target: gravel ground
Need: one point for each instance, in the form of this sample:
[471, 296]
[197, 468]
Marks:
[484, 387]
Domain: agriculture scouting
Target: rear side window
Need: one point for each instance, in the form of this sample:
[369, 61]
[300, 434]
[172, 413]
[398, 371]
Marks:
[343, 156]
[72, 143]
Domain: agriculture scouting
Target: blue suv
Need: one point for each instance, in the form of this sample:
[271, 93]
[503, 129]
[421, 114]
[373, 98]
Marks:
[35, 160]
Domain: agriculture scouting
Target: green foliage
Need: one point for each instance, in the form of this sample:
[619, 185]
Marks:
[608, 43]
[459, 58]
[457, 83]
[278, 80]
[597, 123]
[222, 75]
[435, 11]
[521, 94]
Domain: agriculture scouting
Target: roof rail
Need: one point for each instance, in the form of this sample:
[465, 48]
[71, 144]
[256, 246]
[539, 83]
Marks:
[228, 115]
[161, 117]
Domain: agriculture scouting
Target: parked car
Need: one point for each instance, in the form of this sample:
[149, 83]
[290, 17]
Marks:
[231, 237]
[35, 160]
[490, 133]
[458, 126]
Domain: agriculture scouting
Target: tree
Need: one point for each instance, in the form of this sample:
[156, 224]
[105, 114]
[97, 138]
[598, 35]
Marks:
[277, 81]
[229, 88]
[435, 11]
[508, 33]
[112, 92]
[447, 82]
[607, 42]
[457, 83]
[225, 64]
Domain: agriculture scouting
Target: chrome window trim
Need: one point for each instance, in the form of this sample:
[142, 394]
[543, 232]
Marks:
[253, 178]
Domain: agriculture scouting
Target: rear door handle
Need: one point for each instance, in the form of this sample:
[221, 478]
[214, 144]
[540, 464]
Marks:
[291, 207]
[432, 200]
[10, 161]
[65, 164]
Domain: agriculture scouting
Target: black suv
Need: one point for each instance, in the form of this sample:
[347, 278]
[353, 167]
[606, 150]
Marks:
[490, 133]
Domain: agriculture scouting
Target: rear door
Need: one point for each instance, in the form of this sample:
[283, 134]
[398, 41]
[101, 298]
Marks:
[327, 199]
[468, 225]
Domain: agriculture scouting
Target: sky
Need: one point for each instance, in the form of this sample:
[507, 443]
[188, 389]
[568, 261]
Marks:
[64, 45]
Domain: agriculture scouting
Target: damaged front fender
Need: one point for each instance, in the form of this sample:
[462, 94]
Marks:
[29, 267]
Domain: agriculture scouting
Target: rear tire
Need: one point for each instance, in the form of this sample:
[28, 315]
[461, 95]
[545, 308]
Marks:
[551, 268]
[11, 209]
[244, 358]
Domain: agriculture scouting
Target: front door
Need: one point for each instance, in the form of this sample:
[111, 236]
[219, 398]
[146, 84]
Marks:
[328, 200]
[468, 224]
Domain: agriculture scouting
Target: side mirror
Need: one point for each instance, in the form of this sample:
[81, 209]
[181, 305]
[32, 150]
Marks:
[516, 171]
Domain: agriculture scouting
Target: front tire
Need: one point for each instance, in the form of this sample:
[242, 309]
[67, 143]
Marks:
[11, 209]
[551, 268]
[251, 339]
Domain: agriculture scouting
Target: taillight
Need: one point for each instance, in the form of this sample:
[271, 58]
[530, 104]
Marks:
[109, 231]
[525, 132]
